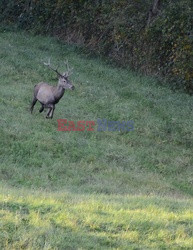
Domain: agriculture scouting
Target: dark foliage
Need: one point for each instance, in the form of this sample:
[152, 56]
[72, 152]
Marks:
[119, 29]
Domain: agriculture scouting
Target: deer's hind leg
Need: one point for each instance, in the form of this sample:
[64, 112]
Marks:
[42, 108]
[33, 103]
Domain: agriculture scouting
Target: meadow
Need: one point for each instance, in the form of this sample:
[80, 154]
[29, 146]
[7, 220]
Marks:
[91, 190]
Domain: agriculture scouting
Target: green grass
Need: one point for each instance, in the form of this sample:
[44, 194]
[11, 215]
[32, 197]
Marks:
[84, 190]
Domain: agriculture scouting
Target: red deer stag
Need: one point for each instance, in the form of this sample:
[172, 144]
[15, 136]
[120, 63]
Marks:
[49, 95]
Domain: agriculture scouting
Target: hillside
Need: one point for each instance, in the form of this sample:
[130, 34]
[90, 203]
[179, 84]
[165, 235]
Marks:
[84, 190]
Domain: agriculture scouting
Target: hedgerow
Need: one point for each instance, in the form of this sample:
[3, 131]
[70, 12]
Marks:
[118, 29]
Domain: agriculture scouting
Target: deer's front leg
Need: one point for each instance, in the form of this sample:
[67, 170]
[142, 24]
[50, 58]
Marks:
[52, 112]
[51, 108]
[48, 113]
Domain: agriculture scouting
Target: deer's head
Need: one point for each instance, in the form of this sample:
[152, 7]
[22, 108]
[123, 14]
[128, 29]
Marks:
[65, 83]
[63, 79]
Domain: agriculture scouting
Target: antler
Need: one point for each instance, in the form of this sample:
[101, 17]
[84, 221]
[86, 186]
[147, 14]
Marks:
[49, 66]
[69, 71]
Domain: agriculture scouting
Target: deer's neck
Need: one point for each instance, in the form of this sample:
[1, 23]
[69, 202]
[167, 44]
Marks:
[59, 92]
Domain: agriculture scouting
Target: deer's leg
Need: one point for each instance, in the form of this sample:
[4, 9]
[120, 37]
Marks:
[50, 107]
[48, 113]
[42, 108]
[52, 112]
[33, 103]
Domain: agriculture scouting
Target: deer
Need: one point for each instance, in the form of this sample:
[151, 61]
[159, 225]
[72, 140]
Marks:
[49, 95]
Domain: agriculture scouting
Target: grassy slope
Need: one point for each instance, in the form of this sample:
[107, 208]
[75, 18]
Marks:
[91, 189]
